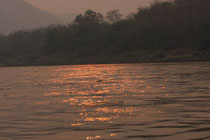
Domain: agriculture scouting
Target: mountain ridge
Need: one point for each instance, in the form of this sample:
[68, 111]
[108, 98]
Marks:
[18, 15]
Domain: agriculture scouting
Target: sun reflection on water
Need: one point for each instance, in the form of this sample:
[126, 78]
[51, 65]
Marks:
[105, 102]
[78, 124]
[97, 94]
[93, 138]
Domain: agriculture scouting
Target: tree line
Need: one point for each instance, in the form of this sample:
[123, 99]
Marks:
[163, 32]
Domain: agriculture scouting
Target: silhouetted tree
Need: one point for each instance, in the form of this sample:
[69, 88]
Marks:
[89, 17]
[114, 16]
[165, 31]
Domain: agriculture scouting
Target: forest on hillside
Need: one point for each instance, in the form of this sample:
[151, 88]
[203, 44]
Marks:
[164, 32]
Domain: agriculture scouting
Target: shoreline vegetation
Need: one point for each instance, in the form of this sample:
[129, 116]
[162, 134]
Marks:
[176, 31]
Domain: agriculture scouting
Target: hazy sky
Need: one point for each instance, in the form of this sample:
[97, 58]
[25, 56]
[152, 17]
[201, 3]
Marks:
[60, 7]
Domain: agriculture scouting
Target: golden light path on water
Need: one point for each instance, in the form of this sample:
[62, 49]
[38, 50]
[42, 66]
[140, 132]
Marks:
[106, 102]
[99, 94]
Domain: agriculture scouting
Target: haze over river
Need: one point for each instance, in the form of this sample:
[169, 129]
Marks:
[168, 101]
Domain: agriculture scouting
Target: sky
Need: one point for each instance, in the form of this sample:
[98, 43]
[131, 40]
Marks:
[62, 7]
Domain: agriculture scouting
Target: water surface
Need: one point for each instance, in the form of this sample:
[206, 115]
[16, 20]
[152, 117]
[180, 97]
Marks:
[106, 102]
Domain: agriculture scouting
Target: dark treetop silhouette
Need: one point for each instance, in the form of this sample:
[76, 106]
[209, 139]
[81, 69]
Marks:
[178, 31]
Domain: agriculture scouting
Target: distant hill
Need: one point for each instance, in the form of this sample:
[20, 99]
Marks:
[18, 14]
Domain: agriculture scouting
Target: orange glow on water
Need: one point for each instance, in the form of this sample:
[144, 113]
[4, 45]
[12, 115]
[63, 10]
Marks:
[102, 119]
[104, 102]
[98, 95]
[93, 138]
[78, 124]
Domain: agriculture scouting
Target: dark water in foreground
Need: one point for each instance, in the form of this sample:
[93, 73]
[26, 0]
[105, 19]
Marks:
[106, 102]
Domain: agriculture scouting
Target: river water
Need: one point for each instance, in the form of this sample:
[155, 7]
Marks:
[167, 101]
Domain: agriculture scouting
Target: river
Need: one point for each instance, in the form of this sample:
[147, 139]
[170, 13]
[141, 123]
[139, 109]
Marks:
[163, 101]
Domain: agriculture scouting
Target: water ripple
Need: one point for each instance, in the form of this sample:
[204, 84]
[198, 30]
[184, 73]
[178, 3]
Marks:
[106, 102]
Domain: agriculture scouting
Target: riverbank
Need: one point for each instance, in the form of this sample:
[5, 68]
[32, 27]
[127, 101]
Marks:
[18, 62]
